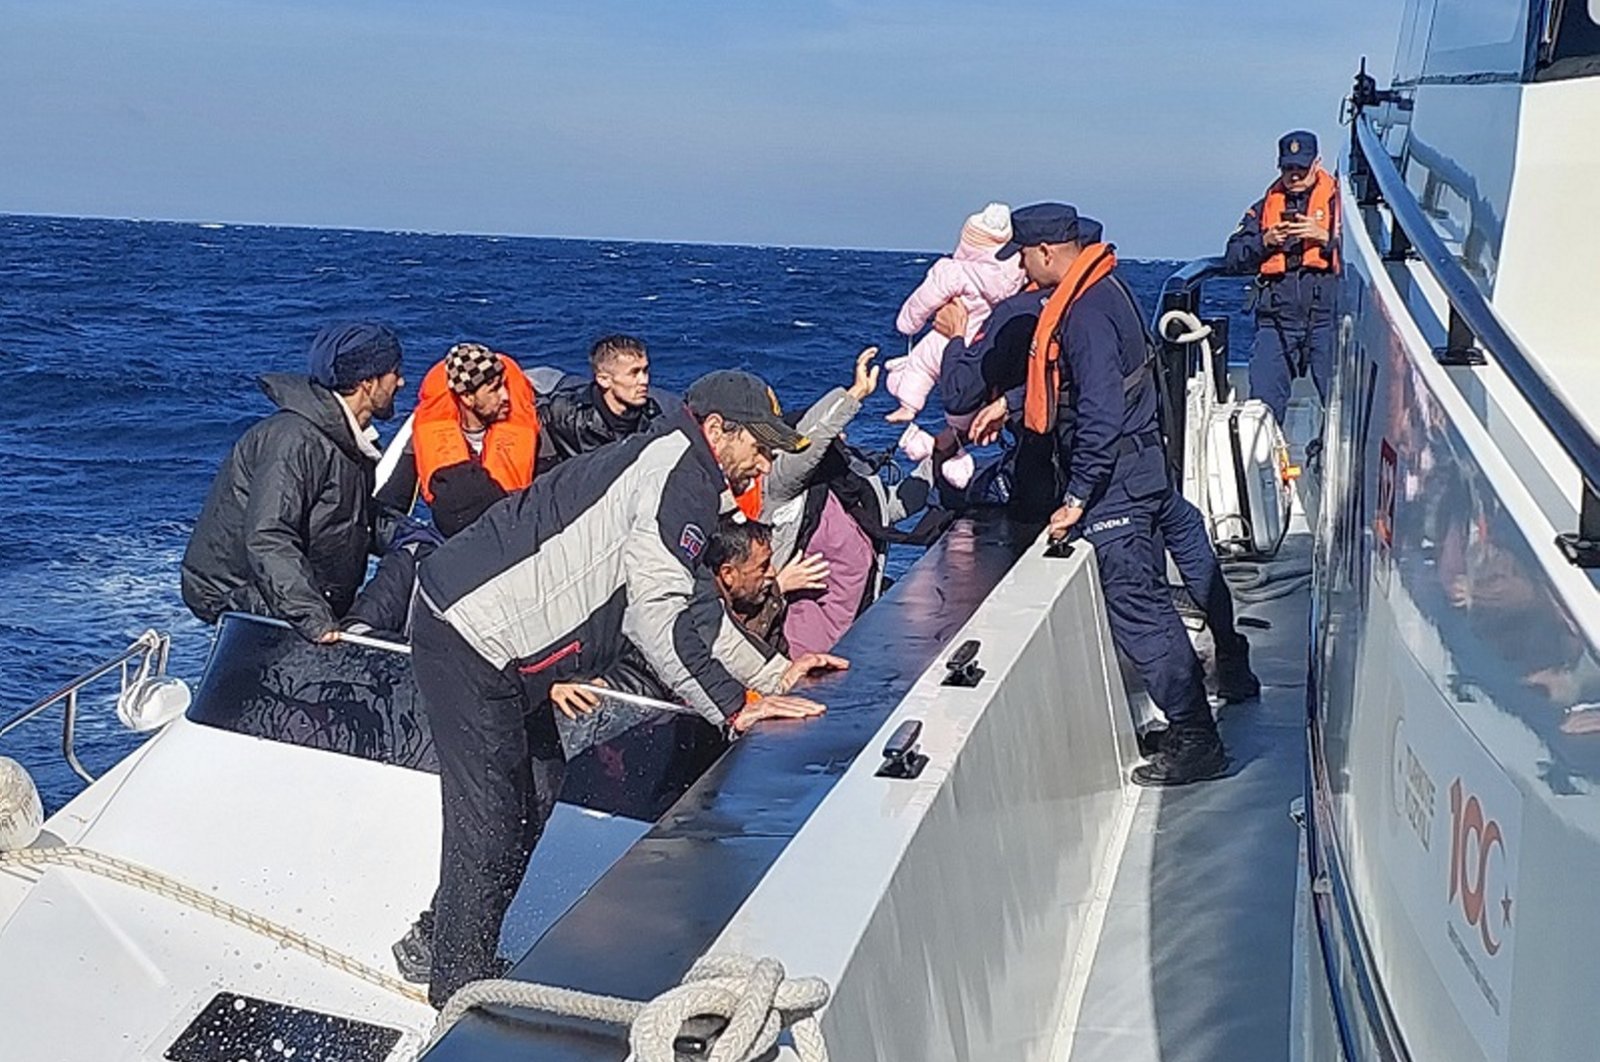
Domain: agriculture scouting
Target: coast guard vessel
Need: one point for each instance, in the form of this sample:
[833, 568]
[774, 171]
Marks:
[1394, 870]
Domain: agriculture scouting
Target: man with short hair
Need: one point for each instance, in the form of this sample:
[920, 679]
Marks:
[1090, 388]
[475, 405]
[1287, 240]
[739, 557]
[545, 588]
[616, 404]
[290, 519]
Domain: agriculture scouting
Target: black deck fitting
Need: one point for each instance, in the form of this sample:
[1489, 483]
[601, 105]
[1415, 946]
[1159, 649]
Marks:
[900, 756]
[962, 668]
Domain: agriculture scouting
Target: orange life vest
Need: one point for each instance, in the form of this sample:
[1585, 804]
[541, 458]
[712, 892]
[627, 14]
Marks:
[750, 501]
[1093, 264]
[509, 446]
[1322, 207]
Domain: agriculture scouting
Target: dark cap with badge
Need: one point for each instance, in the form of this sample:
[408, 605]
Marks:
[743, 399]
[1045, 223]
[1297, 149]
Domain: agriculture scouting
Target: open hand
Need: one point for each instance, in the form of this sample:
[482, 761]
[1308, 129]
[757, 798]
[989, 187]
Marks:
[777, 706]
[988, 421]
[571, 701]
[866, 380]
[808, 571]
[807, 663]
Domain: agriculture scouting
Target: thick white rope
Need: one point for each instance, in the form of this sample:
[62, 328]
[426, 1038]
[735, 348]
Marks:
[755, 996]
[140, 877]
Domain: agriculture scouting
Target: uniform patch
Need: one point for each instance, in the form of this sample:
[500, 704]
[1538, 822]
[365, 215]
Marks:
[692, 541]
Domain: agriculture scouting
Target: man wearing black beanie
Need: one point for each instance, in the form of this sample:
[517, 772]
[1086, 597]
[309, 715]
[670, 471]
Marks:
[290, 518]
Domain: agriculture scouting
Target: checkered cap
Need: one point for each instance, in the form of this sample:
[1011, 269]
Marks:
[468, 366]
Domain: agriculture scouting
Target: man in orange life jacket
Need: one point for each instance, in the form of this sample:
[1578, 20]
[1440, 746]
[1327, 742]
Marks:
[475, 405]
[1287, 240]
[1091, 386]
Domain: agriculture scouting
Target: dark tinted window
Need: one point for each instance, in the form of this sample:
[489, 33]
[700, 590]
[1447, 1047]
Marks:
[265, 681]
[1574, 48]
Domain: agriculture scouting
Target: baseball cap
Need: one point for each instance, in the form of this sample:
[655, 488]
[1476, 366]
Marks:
[1040, 223]
[1298, 148]
[745, 400]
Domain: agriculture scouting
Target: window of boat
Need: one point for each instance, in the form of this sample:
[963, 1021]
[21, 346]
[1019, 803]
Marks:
[1413, 47]
[1478, 40]
[1573, 47]
[265, 681]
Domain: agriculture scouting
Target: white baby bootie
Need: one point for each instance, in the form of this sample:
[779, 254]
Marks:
[958, 470]
[916, 443]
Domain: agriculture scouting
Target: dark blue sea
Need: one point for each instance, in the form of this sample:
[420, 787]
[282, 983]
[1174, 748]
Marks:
[129, 350]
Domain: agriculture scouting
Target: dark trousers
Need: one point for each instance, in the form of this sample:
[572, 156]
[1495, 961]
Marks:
[1145, 625]
[500, 770]
[1286, 346]
[1182, 528]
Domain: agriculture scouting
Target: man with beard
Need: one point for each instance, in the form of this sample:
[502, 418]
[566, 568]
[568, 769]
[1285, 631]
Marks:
[548, 587]
[290, 519]
[739, 557]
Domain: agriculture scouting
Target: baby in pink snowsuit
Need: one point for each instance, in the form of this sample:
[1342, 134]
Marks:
[977, 279]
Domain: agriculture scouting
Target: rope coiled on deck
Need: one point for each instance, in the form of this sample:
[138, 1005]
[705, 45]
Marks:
[756, 997]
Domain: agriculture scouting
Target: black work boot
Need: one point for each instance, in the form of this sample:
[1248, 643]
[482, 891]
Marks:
[413, 953]
[1191, 753]
[1235, 681]
[1150, 740]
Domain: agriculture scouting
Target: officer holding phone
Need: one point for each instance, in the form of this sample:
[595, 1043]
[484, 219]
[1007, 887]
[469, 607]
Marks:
[1289, 239]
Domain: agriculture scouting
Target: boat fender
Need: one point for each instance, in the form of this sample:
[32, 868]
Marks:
[21, 812]
[152, 703]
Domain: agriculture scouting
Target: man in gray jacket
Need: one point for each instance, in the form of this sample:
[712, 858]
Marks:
[290, 519]
[544, 588]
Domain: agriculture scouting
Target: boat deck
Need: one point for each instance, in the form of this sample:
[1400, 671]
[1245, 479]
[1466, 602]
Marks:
[1195, 958]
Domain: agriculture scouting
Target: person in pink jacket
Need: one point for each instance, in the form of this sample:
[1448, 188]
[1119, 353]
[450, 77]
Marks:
[973, 276]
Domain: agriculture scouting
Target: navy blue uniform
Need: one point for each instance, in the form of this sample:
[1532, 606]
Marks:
[1115, 463]
[1294, 313]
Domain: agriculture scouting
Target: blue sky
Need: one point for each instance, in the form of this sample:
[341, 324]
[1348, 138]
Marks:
[854, 123]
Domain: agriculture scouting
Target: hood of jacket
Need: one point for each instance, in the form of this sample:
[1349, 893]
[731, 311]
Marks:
[315, 403]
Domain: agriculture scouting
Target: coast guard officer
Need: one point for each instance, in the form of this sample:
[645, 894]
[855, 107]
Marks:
[1091, 385]
[1287, 240]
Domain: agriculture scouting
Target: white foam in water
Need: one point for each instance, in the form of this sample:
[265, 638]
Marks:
[804, 324]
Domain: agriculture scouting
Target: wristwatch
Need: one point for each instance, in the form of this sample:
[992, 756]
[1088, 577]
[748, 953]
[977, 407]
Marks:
[1072, 501]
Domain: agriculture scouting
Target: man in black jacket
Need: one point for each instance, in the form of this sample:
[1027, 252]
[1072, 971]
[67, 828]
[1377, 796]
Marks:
[290, 518]
[547, 587]
[617, 404]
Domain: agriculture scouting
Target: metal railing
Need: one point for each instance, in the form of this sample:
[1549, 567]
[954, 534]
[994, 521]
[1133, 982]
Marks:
[1474, 331]
[150, 649]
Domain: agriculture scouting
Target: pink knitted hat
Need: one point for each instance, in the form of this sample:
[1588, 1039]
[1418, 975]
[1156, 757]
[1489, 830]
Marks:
[990, 227]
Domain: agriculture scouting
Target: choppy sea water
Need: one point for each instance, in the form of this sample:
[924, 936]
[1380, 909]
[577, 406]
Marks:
[128, 352]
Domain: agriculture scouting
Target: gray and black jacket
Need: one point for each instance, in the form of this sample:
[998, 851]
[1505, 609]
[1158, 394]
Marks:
[603, 547]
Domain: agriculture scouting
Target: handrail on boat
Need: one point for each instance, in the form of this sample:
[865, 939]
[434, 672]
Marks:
[150, 649]
[1475, 330]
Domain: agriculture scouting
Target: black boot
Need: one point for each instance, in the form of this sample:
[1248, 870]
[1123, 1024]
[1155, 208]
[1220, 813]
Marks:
[1235, 681]
[1150, 740]
[1191, 753]
[413, 953]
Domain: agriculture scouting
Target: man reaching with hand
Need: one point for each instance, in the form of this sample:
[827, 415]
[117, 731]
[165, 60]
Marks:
[546, 588]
